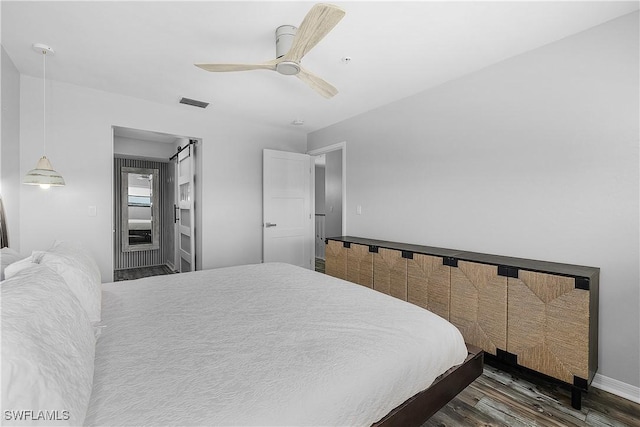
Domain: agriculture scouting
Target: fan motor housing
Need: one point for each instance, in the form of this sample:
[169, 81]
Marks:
[284, 39]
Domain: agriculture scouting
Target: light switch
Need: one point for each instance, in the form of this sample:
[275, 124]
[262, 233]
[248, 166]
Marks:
[359, 210]
[92, 211]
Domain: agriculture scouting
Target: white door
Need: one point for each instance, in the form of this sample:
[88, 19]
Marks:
[185, 225]
[287, 223]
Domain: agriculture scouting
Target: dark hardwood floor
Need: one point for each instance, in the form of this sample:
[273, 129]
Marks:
[137, 273]
[499, 398]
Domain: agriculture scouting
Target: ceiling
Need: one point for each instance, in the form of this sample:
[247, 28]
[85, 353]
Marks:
[147, 49]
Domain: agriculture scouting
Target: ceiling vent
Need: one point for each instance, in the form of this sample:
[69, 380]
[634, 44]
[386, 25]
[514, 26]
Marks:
[194, 102]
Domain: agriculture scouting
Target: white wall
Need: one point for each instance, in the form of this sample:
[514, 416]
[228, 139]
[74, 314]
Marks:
[534, 157]
[130, 147]
[80, 146]
[10, 149]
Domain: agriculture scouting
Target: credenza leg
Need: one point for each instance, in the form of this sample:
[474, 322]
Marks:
[576, 398]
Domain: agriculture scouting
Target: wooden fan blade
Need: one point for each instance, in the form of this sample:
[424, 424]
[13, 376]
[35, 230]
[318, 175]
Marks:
[316, 25]
[319, 85]
[270, 65]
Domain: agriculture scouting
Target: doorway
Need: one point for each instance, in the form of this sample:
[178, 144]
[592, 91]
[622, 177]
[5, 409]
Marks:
[145, 195]
[330, 197]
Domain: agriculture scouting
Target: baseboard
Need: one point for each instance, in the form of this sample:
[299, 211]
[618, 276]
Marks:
[170, 265]
[616, 387]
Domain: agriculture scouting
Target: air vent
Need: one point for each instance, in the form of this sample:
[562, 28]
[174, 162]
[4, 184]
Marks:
[194, 102]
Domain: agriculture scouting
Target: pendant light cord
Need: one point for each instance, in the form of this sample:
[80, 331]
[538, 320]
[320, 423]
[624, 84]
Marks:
[43, 174]
[44, 103]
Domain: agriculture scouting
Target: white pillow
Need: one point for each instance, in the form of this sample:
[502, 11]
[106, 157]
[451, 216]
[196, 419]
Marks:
[13, 269]
[76, 250]
[80, 272]
[8, 256]
[48, 349]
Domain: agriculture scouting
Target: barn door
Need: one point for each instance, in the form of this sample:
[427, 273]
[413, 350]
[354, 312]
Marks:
[184, 210]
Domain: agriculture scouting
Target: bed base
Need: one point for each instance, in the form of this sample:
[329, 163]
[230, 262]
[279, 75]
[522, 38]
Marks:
[419, 408]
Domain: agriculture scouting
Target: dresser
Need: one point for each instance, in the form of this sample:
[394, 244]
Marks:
[538, 315]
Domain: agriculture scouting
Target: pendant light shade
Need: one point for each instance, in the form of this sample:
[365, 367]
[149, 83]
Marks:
[43, 175]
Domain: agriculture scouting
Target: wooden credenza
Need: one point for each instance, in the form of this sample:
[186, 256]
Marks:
[534, 314]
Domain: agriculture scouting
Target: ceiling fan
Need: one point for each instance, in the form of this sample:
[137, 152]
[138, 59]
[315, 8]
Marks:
[292, 44]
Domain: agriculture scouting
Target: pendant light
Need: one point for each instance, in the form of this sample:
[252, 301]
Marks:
[43, 175]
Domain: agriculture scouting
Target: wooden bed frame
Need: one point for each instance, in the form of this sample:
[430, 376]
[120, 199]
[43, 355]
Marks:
[419, 408]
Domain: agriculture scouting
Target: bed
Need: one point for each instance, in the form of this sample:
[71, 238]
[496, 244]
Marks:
[264, 344]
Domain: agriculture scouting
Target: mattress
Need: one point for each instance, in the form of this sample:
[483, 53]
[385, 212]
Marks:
[265, 344]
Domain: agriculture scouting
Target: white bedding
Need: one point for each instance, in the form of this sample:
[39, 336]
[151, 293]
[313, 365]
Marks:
[265, 344]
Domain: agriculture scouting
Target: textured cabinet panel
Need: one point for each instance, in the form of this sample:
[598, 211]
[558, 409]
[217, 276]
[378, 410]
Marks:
[390, 273]
[336, 259]
[360, 265]
[429, 284]
[548, 324]
[479, 305]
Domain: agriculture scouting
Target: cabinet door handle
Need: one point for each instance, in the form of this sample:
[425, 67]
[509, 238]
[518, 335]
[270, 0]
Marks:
[269, 224]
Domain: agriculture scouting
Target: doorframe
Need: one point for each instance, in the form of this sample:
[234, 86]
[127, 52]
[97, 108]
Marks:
[160, 157]
[324, 150]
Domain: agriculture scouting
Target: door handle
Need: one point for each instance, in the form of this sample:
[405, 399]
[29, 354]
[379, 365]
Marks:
[269, 224]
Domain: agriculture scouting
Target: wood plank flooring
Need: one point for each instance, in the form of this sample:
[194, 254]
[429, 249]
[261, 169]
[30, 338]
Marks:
[499, 398]
[137, 273]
